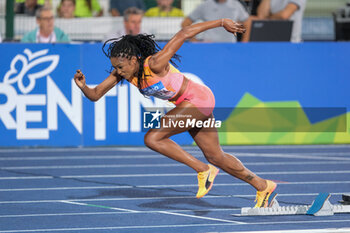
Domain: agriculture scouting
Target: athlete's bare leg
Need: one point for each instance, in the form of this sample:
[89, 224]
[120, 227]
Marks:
[158, 139]
[207, 140]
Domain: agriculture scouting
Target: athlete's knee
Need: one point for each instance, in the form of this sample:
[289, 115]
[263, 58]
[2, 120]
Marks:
[148, 141]
[215, 158]
[151, 140]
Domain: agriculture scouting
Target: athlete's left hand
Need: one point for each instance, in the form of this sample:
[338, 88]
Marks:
[233, 27]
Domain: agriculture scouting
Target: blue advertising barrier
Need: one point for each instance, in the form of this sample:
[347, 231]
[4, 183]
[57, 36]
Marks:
[40, 104]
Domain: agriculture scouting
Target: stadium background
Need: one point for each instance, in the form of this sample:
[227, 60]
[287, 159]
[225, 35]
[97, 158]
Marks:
[50, 111]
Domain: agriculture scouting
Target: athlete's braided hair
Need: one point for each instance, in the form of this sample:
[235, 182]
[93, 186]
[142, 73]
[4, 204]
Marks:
[141, 46]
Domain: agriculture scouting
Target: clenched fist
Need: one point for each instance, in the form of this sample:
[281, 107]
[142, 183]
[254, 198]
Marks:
[79, 79]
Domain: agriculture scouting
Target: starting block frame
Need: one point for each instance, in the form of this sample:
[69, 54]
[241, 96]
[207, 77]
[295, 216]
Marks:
[320, 207]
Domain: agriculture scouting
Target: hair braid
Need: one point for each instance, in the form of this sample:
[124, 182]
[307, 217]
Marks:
[141, 46]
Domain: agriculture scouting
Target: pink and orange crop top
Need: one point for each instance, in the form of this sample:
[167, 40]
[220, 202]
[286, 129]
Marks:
[165, 87]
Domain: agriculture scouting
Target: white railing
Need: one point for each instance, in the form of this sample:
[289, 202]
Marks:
[96, 29]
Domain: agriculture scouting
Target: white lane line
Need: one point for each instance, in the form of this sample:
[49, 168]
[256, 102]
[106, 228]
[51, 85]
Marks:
[26, 177]
[289, 146]
[194, 174]
[175, 226]
[142, 148]
[113, 212]
[167, 165]
[90, 157]
[295, 156]
[167, 175]
[344, 160]
[200, 217]
[84, 204]
[79, 150]
[93, 166]
[152, 156]
[159, 212]
[163, 198]
[329, 230]
[75, 149]
[161, 186]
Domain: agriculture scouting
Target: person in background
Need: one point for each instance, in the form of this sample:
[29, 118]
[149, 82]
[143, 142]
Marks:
[40, 2]
[118, 7]
[216, 9]
[66, 9]
[252, 6]
[132, 24]
[164, 8]
[46, 32]
[0, 38]
[285, 10]
[29, 7]
[88, 8]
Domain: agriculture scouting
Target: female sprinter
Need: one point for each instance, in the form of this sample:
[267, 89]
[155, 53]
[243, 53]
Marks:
[138, 60]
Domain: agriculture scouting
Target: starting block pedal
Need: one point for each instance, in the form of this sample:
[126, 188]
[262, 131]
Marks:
[320, 207]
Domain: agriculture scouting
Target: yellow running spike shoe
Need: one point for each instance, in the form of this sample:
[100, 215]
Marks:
[206, 180]
[262, 197]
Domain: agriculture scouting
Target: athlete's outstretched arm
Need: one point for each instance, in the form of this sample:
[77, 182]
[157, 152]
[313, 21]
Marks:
[159, 61]
[97, 92]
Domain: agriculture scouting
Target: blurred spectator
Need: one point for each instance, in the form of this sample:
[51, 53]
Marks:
[252, 6]
[88, 8]
[29, 7]
[40, 2]
[217, 9]
[118, 7]
[0, 38]
[164, 8]
[132, 24]
[66, 9]
[284, 9]
[46, 32]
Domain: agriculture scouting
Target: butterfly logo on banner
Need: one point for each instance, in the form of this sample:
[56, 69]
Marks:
[26, 77]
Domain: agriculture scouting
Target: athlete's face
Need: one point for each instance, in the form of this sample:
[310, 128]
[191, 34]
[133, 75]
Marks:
[126, 68]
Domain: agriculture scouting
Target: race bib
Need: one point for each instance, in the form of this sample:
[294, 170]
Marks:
[158, 90]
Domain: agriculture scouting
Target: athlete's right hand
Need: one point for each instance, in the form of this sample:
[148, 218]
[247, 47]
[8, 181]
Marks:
[79, 79]
[233, 27]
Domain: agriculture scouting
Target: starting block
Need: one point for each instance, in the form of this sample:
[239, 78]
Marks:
[320, 207]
